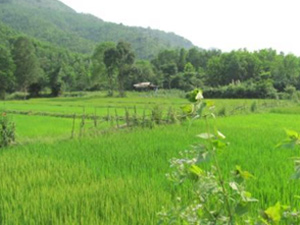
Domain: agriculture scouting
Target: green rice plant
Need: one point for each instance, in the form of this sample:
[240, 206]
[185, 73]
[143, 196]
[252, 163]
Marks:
[172, 116]
[117, 118]
[73, 126]
[135, 119]
[82, 123]
[253, 107]
[222, 111]
[95, 118]
[157, 114]
[127, 118]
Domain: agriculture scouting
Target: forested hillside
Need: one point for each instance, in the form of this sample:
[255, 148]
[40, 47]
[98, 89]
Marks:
[27, 64]
[54, 22]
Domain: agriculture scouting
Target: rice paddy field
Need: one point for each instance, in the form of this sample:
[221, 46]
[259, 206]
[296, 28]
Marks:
[61, 172]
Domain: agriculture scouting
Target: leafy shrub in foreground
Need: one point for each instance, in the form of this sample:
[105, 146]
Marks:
[191, 96]
[215, 199]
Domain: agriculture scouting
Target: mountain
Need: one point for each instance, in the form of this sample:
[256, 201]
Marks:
[54, 22]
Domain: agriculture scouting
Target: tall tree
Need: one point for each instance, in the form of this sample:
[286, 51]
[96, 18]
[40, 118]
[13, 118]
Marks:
[99, 69]
[27, 65]
[125, 60]
[189, 78]
[7, 68]
[55, 81]
[81, 68]
[169, 70]
[111, 61]
[194, 57]
[181, 60]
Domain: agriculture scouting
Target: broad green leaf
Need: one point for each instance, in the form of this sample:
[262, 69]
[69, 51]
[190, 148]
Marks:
[247, 197]
[201, 108]
[210, 104]
[242, 173]
[219, 144]
[220, 135]
[196, 170]
[293, 139]
[234, 186]
[274, 213]
[187, 109]
[292, 134]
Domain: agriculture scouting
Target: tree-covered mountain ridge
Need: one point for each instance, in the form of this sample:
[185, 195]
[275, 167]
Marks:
[54, 22]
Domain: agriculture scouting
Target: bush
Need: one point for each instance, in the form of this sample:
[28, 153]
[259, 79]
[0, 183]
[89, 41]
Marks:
[253, 107]
[291, 92]
[263, 89]
[17, 96]
[7, 130]
[75, 94]
[222, 111]
[169, 93]
[157, 114]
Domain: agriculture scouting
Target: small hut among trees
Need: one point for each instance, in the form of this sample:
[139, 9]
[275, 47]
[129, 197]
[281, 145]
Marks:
[145, 86]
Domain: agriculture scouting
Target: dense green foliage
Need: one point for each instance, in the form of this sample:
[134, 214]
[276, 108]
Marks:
[27, 65]
[7, 68]
[39, 66]
[34, 66]
[52, 21]
[237, 74]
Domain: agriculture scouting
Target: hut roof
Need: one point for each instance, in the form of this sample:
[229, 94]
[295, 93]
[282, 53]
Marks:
[142, 85]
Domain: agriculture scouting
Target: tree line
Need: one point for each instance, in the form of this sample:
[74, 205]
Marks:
[29, 66]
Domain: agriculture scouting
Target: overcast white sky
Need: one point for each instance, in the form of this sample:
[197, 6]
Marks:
[223, 24]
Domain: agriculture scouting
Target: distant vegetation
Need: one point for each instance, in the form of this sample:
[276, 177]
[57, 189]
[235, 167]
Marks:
[28, 65]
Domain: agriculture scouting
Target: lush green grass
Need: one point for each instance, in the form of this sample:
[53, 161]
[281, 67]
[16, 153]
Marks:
[40, 128]
[32, 128]
[101, 105]
[119, 177]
